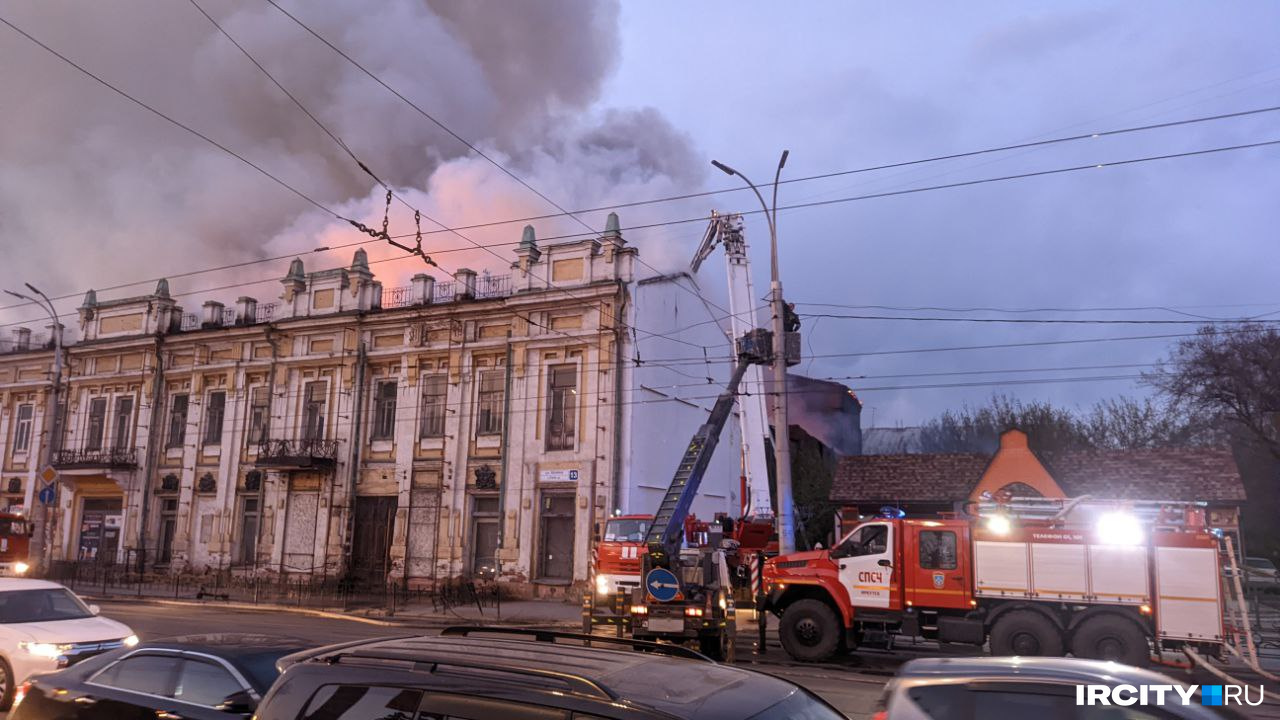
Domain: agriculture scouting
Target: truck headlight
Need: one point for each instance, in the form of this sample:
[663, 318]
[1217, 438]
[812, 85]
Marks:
[44, 650]
[603, 584]
[21, 568]
[130, 641]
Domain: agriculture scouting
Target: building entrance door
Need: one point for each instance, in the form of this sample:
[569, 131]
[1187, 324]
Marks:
[557, 538]
[371, 541]
[100, 521]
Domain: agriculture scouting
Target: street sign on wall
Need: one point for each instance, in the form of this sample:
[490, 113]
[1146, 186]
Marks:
[558, 476]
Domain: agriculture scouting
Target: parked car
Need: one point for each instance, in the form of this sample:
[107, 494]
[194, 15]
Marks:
[1260, 574]
[44, 626]
[198, 677]
[481, 673]
[975, 688]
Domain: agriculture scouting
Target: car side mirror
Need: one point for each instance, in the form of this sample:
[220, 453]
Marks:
[94, 609]
[238, 703]
[885, 563]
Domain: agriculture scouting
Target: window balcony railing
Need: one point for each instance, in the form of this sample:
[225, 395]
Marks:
[297, 453]
[110, 458]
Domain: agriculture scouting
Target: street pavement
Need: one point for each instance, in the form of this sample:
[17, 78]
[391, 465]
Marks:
[853, 688]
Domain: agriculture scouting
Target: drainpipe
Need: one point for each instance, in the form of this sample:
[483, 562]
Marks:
[619, 358]
[502, 484]
[153, 440]
[357, 437]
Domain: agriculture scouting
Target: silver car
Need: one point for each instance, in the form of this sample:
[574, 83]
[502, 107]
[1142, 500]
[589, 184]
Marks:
[976, 688]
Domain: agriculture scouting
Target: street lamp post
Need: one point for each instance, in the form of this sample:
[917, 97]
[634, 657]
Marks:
[41, 545]
[781, 434]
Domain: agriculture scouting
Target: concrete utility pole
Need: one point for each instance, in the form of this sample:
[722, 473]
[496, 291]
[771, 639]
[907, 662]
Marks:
[41, 548]
[781, 432]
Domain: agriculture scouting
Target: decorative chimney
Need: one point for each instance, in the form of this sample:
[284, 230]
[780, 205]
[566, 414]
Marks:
[212, 315]
[21, 338]
[464, 284]
[246, 310]
[424, 289]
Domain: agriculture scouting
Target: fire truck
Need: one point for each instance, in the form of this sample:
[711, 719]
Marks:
[15, 543]
[1028, 576]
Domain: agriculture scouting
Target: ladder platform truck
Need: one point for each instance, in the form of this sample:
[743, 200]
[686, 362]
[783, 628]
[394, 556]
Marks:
[686, 592]
[1100, 579]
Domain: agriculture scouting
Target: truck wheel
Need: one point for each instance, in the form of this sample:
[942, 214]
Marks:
[809, 631]
[1026, 633]
[8, 685]
[1111, 637]
[715, 646]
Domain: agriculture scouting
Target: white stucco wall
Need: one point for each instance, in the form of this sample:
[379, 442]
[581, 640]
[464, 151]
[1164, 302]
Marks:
[667, 403]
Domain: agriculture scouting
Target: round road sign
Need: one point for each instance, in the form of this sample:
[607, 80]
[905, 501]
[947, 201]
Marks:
[662, 584]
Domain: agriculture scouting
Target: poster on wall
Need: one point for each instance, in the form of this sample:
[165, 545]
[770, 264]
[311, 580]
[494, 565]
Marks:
[558, 476]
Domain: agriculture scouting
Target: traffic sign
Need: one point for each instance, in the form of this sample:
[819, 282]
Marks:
[662, 584]
[48, 474]
[46, 494]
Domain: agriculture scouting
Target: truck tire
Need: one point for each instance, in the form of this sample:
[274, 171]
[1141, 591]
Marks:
[10, 686]
[715, 646]
[1026, 633]
[1111, 637]
[809, 631]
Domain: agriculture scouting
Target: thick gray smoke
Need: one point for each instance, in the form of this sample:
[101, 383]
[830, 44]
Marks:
[95, 191]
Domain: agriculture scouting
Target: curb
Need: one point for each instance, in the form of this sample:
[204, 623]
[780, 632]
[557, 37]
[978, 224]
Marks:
[406, 621]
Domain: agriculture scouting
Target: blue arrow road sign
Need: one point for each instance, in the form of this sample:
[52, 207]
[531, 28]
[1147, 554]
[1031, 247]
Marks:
[662, 584]
[46, 494]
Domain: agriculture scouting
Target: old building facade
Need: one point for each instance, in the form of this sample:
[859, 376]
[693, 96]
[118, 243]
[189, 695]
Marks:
[474, 425]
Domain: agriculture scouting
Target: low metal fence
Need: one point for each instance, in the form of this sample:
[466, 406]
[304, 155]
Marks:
[244, 585]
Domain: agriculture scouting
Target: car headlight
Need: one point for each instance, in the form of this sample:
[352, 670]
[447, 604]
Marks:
[44, 650]
[130, 641]
[21, 568]
[603, 584]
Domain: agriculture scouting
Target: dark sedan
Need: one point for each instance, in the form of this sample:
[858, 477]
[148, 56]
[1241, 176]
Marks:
[213, 677]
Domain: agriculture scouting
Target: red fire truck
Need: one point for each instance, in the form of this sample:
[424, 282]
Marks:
[15, 542]
[617, 554]
[1097, 579]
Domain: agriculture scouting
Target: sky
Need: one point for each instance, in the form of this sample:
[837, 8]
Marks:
[596, 103]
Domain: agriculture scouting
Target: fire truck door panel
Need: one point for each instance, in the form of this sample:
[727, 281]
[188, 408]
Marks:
[1187, 582]
[934, 567]
[1118, 574]
[1000, 569]
[870, 584]
[1059, 571]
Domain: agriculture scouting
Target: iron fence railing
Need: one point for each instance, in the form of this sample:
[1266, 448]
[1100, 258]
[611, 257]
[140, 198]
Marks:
[103, 457]
[297, 452]
[190, 321]
[265, 584]
[264, 312]
[492, 286]
[228, 316]
[397, 297]
[443, 292]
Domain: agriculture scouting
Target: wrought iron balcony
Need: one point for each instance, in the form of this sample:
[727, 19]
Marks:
[106, 458]
[297, 453]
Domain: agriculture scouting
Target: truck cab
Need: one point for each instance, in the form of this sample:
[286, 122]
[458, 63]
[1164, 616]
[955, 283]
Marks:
[618, 553]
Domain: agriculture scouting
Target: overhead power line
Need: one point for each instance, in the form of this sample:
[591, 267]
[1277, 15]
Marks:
[1035, 321]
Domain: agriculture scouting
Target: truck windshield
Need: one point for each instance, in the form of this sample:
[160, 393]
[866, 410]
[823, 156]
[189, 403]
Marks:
[626, 530]
[13, 527]
[25, 606]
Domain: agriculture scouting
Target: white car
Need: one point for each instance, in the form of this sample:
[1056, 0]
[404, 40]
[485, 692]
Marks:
[44, 626]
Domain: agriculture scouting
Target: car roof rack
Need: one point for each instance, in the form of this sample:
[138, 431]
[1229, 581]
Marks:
[576, 683]
[552, 635]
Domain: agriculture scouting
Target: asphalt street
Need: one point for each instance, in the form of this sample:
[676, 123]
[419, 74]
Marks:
[852, 687]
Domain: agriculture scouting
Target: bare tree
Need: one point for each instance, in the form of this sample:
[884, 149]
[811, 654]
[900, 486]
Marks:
[1231, 376]
[1125, 423]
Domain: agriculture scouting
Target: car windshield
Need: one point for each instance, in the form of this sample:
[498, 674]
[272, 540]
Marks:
[42, 605]
[623, 530]
[799, 705]
[261, 667]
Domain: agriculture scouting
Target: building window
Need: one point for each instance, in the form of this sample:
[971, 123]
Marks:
[177, 421]
[124, 422]
[937, 550]
[259, 417]
[313, 410]
[384, 411]
[22, 432]
[562, 409]
[434, 393]
[213, 412]
[168, 528]
[97, 423]
[489, 403]
[247, 553]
